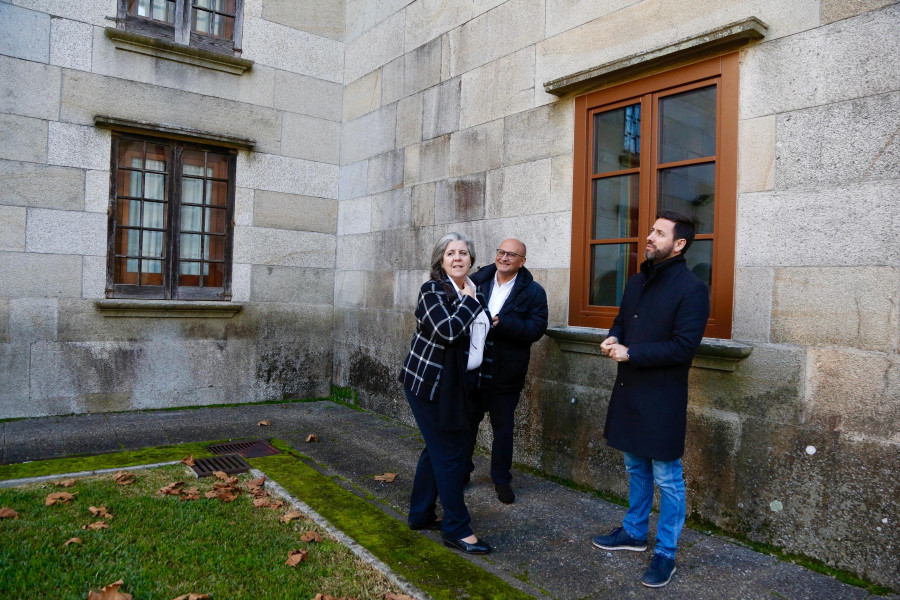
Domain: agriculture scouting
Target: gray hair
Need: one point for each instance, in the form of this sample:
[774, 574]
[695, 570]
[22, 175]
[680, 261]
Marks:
[437, 255]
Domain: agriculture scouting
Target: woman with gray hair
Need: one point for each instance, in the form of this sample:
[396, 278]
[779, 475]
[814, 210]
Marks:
[438, 376]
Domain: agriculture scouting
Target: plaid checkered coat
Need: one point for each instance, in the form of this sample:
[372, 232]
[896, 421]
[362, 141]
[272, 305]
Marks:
[440, 321]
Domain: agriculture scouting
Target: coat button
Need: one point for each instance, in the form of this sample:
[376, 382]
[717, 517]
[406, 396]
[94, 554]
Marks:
[621, 384]
[635, 317]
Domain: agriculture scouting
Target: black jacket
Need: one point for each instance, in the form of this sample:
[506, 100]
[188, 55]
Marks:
[661, 319]
[523, 320]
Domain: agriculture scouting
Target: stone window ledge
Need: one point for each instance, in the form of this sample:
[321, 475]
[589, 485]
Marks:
[174, 132]
[715, 354]
[705, 45]
[151, 46]
[168, 309]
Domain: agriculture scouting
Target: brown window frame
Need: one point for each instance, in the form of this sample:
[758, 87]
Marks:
[181, 31]
[721, 71]
[170, 288]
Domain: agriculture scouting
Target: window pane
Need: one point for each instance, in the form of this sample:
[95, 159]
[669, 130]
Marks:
[151, 272]
[615, 207]
[126, 271]
[215, 220]
[154, 215]
[215, 275]
[216, 247]
[194, 162]
[699, 260]
[611, 266]
[218, 193]
[154, 186]
[129, 183]
[191, 218]
[687, 125]
[617, 139]
[191, 246]
[128, 212]
[152, 244]
[127, 241]
[217, 166]
[691, 191]
[164, 10]
[131, 154]
[189, 268]
[192, 190]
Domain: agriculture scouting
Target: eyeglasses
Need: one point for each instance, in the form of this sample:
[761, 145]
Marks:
[511, 255]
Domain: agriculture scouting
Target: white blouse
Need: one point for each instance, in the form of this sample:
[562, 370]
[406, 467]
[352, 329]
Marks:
[478, 331]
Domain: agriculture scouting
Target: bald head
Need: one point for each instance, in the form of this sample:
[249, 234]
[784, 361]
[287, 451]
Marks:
[510, 258]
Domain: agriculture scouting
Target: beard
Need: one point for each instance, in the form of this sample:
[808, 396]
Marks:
[657, 254]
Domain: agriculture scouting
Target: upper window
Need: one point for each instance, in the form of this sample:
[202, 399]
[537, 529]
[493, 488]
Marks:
[170, 232]
[207, 24]
[665, 142]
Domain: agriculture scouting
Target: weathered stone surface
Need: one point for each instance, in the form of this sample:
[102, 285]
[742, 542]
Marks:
[30, 184]
[88, 11]
[836, 10]
[14, 365]
[243, 206]
[385, 171]
[422, 67]
[849, 307]
[406, 288]
[460, 199]
[374, 48]
[822, 66]
[369, 135]
[70, 44]
[363, 14]
[406, 249]
[428, 19]
[311, 138]
[752, 318]
[522, 189]
[428, 161]
[854, 392]
[291, 211]
[93, 277]
[423, 205]
[393, 75]
[320, 98]
[441, 109]
[379, 289]
[77, 146]
[392, 210]
[548, 237]
[354, 180]
[261, 246]
[289, 284]
[292, 50]
[360, 252]
[839, 143]
[556, 283]
[32, 320]
[539, 133]
[241, 279]
[355, 216]
[37, 94]
[325, 17]
[362, 96]
[65, 232]
[409, 120]
[476, 149]
[756, 159]
[12, 228]
[498, 89]
[27, 275]
[561, 176]
[23, 138]
[96, 191]
[779, 229]
[350, 288]
[275, 173]
[563, 15]
[24, 33]
[511, 26]
[4, 321]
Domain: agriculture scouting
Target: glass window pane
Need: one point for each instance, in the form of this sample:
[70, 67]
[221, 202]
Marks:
[164, 10]
[152, 244]
[216, 247]
[611, 266]
[156, 158]
[189, 268]
[128, 212]
[215, 220]
[687, 125]
[617, 139]
[191, 218]
[690, 191]
[201, 21]
[126, 271]
[127, 241]
[151, 272]
[154, 186]
[217, 166]
[192, 190]
[131, 154]
[191, 246]
[699, 260]
[217, 193]
[615, 202]
[154, 215]
[194, 162]
[129, 183]
[215, 275]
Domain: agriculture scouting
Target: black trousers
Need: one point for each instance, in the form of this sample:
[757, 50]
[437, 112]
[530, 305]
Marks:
[501, 407]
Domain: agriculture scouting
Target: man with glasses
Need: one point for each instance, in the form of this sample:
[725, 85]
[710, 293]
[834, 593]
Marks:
[518, 308]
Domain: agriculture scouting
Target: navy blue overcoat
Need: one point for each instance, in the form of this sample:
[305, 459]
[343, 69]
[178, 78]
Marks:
[661, 320]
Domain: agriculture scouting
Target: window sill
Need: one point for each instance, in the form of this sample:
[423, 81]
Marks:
[706, 45]
[151, 46]
[715, 354]
[167, 309]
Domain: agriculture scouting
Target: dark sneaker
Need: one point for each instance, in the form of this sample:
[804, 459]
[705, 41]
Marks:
[659, 572]
[619, 540]
[505, 493]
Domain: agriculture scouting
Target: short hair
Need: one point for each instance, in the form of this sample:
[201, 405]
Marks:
[684, 227]
[437, 255]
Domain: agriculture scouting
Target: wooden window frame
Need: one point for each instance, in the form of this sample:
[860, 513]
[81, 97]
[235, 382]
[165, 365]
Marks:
[723, 72]
[170, 288]
[180, 32]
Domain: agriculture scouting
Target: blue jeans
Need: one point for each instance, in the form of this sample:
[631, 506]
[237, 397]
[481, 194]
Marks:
[669, 477]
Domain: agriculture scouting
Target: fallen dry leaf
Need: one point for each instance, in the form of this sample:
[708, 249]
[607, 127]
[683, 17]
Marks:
[295, 557]
[72, 541]
[8, 513]
[264, 423]
[276, 504]
[61, 497]
[194, 597]
[191, 494]
[65, 482]
[188, 460]
[312, 438]
[387, 477]
[96, 526]
[290, 516]
[172, 489]
[110, 592]
[391, 596]
[123, 477]
[260, 502]
[311, 536]
[100, 511]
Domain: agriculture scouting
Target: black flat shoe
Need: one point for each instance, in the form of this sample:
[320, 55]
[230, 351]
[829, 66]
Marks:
[479, 547]
[432, 525]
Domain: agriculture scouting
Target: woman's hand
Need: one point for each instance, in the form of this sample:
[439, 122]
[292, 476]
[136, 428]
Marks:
[468, 290]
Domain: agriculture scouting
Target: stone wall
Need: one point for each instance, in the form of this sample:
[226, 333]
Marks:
[446, 126]
[59, 353]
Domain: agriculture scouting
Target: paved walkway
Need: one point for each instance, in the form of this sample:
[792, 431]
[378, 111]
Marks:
[541, 543]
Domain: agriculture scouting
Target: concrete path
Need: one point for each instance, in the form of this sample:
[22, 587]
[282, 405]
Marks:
[542, 543]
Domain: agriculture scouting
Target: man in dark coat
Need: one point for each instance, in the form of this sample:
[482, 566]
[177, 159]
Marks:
[653, 339]
[518, 305]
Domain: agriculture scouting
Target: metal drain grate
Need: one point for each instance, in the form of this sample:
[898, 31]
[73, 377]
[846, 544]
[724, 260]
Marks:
[230, 464]
[246, 448]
